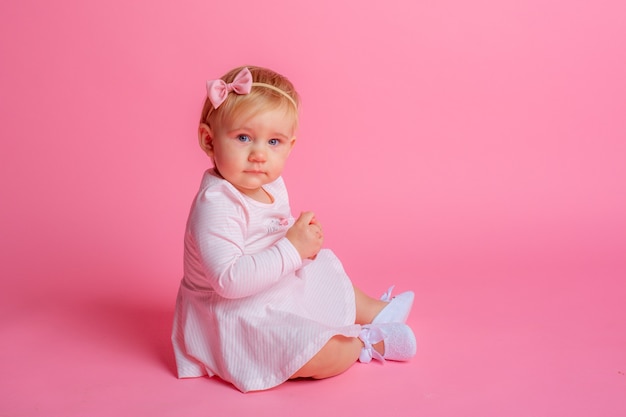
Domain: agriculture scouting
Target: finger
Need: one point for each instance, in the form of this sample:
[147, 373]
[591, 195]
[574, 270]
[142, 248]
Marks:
[316, 222]
[306, 217]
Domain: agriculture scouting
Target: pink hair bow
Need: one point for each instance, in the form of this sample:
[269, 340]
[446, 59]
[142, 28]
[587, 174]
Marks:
[217, 90]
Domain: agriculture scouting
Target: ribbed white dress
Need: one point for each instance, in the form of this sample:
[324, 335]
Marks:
[248, 309]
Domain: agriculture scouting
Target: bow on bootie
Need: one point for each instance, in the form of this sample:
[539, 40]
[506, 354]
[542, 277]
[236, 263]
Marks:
[217, 90]
[370, 335]
[400, 343]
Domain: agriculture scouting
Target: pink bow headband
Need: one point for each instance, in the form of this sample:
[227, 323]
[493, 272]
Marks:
[217, 90]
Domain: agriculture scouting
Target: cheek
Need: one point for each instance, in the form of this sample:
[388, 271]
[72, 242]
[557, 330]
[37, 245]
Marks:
[279, 158]
[225, 153]
[226, 159]
[284, 152]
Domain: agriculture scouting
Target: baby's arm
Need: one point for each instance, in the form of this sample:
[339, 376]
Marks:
[219, 235]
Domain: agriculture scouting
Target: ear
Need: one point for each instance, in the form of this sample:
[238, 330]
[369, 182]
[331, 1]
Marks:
[292, 142]
[205, 138]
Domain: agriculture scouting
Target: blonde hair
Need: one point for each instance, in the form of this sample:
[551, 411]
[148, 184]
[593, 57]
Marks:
[260, 98]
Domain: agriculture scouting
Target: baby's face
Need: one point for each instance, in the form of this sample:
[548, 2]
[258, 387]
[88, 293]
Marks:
[251, 152]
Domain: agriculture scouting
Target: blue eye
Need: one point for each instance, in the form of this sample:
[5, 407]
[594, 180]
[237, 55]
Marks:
[274, 142]
[243, 138]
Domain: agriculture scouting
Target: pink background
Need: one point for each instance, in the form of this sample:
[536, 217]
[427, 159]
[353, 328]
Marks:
[474, 152]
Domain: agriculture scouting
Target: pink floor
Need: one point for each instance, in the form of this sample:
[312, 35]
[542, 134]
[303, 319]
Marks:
[523, 342]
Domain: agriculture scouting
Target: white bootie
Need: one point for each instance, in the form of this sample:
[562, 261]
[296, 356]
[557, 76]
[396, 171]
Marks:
[398, 308]
[398, 338]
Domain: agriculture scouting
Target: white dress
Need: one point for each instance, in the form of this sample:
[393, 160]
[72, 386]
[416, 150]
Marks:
[249, 310]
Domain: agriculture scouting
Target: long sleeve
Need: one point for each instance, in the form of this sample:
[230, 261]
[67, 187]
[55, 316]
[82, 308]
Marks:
[220, 254]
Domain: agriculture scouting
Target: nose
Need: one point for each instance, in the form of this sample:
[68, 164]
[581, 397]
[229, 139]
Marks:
[257, 154]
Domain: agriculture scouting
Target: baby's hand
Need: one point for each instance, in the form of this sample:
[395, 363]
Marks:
[306, 235]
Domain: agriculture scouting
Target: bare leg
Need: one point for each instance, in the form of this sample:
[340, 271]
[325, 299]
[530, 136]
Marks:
[336, 356]
[366, 307]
